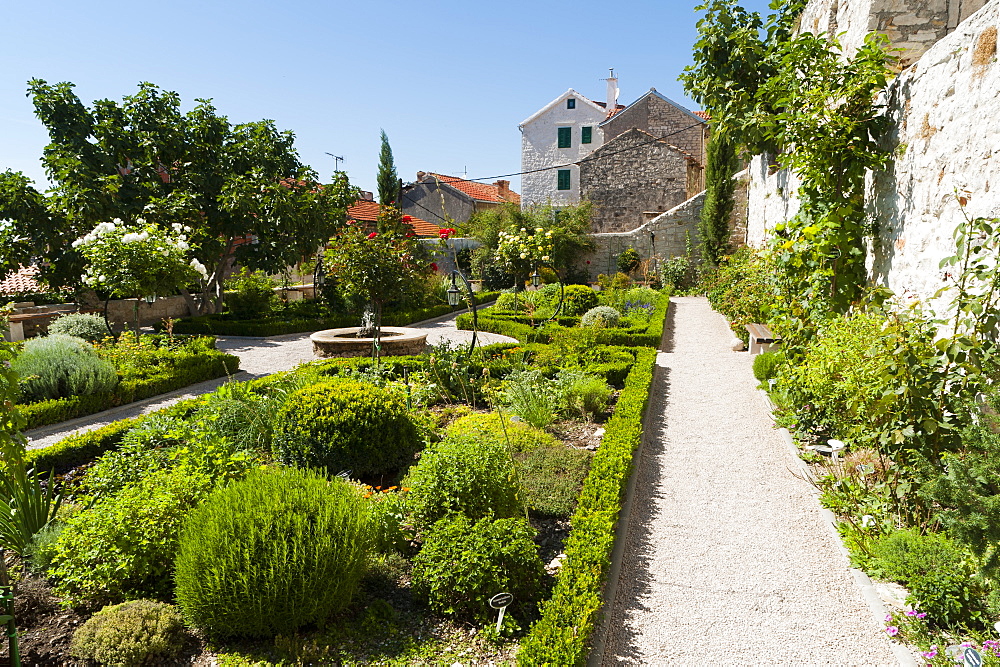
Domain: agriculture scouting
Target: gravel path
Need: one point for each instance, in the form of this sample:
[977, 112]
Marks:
[258, 357]
[727, 560]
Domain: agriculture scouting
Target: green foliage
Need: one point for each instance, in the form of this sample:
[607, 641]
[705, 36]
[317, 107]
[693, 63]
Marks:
[500, 430]
[246, 415]
[628, 260]
[463, 563]
[508, 301]
[766, 365]
[713, 226]
[562, 634]
[387, 178]
[578, 299]
[937, 574]
[123, 546]
[583, 394]
[250, 294]
[551, 478]
[62, 366]
[463, 475]
[741, 290]
[278, 550]
[531, 397]
[600, 316]
[91, 327]
[346, 425]
[131, 633]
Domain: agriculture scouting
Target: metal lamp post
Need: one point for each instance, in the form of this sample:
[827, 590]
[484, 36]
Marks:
[454, 297]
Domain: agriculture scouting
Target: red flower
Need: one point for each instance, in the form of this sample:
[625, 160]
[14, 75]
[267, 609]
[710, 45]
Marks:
[409, 235]
[445, 232]
[407, 218]
[373, 235]
[434, 267]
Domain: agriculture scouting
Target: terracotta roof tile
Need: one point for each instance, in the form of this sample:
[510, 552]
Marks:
[703, 114]
[479, 191]
[367, 211]
[22, 280]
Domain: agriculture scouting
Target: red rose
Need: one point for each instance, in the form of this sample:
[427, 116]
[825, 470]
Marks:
[434, 267]
[373, 235]
[407, 218]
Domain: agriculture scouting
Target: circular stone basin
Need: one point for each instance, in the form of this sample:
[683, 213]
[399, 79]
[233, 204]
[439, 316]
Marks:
[395, 341]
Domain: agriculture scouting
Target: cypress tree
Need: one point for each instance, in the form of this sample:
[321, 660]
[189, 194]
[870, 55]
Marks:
[719, 196]
[388, 179]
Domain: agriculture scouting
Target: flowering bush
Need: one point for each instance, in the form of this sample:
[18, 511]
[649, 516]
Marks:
[140, 260]
[520, 250]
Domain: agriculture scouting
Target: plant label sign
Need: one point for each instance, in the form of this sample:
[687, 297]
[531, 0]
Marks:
[501, 601]
[972, 658]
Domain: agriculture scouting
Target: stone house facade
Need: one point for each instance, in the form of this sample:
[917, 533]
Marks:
[449, 200]
[663, 118]
[635, 177]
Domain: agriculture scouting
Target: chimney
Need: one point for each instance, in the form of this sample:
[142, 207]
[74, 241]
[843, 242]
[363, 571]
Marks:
[612, 90]
[367, 196]
[503, 189]
[420, 175]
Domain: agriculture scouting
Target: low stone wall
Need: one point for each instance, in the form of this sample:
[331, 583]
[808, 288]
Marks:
[121, 312]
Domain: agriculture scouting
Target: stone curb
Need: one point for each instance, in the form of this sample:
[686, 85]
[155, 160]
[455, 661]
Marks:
[862, 580]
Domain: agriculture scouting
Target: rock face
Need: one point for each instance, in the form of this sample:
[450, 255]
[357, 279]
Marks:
[946, 141]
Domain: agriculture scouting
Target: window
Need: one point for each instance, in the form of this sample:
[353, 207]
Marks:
[571, 103]
[565, 137]
[563, 180]
[586, 135]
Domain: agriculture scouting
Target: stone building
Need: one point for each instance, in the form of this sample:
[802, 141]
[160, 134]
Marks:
[663, 118]
[449, 200]
[634, 177]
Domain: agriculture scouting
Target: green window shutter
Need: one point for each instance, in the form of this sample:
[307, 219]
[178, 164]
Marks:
[565, 137]
[586, 135]
[563, 181]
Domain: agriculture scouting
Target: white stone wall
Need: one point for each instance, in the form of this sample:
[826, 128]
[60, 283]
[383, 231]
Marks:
[946, 109]
[540, 149]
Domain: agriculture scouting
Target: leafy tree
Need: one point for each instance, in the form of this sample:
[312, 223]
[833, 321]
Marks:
[145, 158]
[388, 179]
[719, 197]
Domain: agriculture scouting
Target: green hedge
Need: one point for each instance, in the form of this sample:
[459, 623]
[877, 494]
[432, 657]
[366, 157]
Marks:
[562, 635]
[519, 327]
[275, 326]
[190, 369]
[76, 450]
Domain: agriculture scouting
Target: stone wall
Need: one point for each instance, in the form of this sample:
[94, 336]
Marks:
[439, 204]
[121, 312]
[946, 141]
[662, 118]
[631, 175]
[911, 25]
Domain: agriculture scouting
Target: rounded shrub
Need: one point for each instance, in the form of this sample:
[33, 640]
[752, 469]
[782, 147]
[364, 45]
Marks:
[61, 366]
[463, 564]
[766, 365]
[523, 437]
[250, 294]
[266, 555]
[578, 299]
[132, 633]
[345, 425]
[89, 326]
[463, 475]
[629, 260]
[601, 316]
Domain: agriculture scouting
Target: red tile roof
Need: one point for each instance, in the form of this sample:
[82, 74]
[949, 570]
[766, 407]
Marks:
[703, 114]
[22, 280]
[479, 191]
[367, 211]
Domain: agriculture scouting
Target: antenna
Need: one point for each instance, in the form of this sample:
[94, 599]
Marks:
[337, 160]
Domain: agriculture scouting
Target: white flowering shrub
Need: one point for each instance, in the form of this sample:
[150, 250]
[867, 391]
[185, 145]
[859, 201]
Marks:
[138, 260]
[521, 250]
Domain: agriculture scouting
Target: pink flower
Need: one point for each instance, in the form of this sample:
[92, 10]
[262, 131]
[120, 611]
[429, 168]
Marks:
[892, 631]
[373, 235]
[888, 618]
[930, 654]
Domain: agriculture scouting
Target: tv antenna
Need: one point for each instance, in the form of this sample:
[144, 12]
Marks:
[337, 160]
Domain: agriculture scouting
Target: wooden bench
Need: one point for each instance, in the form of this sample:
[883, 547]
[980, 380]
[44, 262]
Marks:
[18, 320]
[761, 338]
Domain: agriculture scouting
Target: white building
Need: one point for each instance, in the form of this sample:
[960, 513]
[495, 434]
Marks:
[561, 133]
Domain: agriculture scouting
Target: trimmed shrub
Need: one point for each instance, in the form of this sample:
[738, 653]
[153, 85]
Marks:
[578, 299]
[89, 326]
[628, 260]
[463, 564]
[766, 365]
[345, 425]
[601, 316]
[551, 478]
[273, 552]
[123, 547]
[523, 437]
[250, 294]
[463, 475]
[62, 366]
[131, 633]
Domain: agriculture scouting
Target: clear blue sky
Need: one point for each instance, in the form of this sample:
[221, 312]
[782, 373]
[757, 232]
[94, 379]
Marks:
[448, 81]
